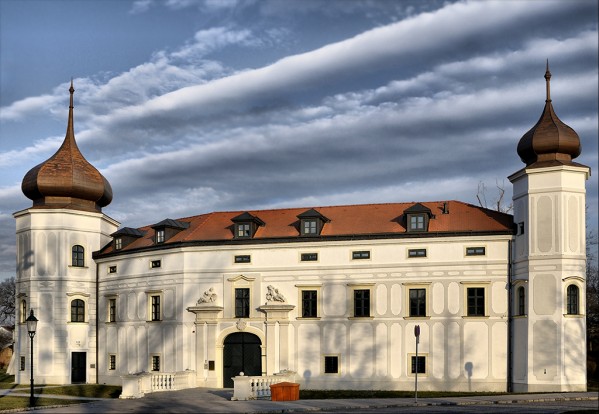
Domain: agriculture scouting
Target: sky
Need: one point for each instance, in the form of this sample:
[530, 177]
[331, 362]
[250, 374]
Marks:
[193, 106]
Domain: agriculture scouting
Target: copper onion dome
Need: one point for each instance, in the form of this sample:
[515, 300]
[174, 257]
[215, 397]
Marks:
[550, 141]
[67, 179]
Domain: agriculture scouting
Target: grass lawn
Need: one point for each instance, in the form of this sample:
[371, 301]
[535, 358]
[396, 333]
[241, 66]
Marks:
[8, 402]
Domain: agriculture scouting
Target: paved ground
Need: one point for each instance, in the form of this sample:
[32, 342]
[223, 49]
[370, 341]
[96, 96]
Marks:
[206, 400]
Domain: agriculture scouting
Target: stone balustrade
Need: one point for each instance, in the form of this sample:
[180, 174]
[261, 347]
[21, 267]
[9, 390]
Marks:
[257, 387]
[139, 384]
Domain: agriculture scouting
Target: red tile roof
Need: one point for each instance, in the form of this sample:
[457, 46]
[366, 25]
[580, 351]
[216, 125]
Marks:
[359, 221]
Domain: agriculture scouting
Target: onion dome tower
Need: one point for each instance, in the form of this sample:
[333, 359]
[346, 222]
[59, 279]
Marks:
[550, 141]
[67, 179]
[547, 289]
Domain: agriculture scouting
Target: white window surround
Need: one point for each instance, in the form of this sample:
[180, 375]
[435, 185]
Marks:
[483, 246]
[416, 285]
[318, 288]
[516, 284]
[108, 297]
[339, 370]
[241, 282]
[475, 284]
[409, 363]
[149, 295]
[71, 296]
[580, 283]
[352, 287]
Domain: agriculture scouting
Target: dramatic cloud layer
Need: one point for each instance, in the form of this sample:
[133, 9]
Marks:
[254, 108]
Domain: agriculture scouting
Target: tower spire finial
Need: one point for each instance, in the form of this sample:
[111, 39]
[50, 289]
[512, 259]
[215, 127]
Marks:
[548, 80]
[71, 90]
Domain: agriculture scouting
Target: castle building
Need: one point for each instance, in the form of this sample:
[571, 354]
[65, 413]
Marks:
[332, 293]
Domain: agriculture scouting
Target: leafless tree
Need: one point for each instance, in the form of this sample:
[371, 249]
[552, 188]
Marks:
[7, 301]
[498, 203]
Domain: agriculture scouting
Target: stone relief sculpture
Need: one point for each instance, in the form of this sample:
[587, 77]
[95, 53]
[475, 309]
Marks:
[209, 296]
[273, 295]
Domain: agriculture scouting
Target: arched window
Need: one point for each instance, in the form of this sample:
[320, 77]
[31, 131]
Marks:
[78, 256]
[23, 311]
[521, 301]
[77, 310]
[572, 300]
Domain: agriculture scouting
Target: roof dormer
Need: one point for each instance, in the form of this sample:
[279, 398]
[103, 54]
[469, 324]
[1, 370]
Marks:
[168, 228]
[125, 236]
[417, 218]
[246, 225]
[311, 222]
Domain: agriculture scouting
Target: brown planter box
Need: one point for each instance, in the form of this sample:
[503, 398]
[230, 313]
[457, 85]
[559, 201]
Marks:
[284, 391]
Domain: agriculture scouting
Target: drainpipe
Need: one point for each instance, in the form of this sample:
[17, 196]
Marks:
[97, 319]
[510, 325]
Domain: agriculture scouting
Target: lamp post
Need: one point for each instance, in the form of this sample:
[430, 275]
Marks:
[31, 327]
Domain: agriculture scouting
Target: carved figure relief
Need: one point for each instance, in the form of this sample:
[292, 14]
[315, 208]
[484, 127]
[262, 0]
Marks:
[209, 296]
[273, 295]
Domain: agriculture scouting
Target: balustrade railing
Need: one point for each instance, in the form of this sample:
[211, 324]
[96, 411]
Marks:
[257, 387]
[137, 385]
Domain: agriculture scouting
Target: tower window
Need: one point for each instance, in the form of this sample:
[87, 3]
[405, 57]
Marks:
[475, 251]
[111, 362]
[23, 315]
[418, 365]
[112, 310]
[77, 310]
[521, 301]
[476, 301]
[331, 364]
[361, 254]
[78, 256]
[572, 299]
[416, 252]
[417, 302]
[309, 303]
[362, 303]
[155, 310]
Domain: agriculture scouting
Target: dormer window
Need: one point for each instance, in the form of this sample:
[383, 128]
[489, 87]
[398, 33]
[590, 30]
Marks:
[417, 218]
[311, 222]
[246, 225]
[167, 229]
[125, 236]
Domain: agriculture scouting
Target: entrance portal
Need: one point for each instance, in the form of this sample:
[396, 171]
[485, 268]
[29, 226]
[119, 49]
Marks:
[241, 353]
[78, 363]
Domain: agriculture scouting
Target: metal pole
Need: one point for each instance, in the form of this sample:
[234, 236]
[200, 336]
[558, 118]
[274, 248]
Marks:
[416, 372]
[31, 400]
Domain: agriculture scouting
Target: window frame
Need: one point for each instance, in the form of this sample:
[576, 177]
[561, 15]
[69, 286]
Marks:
[309, 257]
[309, 227]
[118, 243]
[111, 309]
[360, 255]
[22, 362]
[155, 263]
[415, 253]
[155, 363]
[244, 230]
[331, 357]
[474, 251]
[112, 269]
[242, 305]
[351, 298]
[241, 259]
[307, 288]
[572, 308]
[475, 284]
[521, 300]
[77, 256]
[80, 312]
[111, 362]
[23, 311]
[418, 303]
[412, 358]
[155, 309]
[362, 303]
[477, 305]
[160, 235]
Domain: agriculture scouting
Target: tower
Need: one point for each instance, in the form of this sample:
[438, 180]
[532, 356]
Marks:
[548, 284]
[56, 276]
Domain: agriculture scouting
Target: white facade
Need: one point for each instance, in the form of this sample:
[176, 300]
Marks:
[334, 299]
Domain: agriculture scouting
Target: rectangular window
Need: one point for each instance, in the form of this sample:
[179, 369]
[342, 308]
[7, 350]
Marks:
[476, 301]
[111, 362]
[118, 243]
[160, 236]
[418, 365]
[22, 364]
[155, 363]
[244, 230]
[475, 251]
[78, 256]
[417, 302]
[309, 257]
[362, 303]
[155, 311]
[242, 303]
[416, 223]
[243, 258]
[362, 254]
[309, 227]
[416, 252]
[111, 269]
[155, 264]
[309, 304]
[331, 364]
[111, 310]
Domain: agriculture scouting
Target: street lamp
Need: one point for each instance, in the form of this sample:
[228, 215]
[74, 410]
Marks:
[31, 327]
